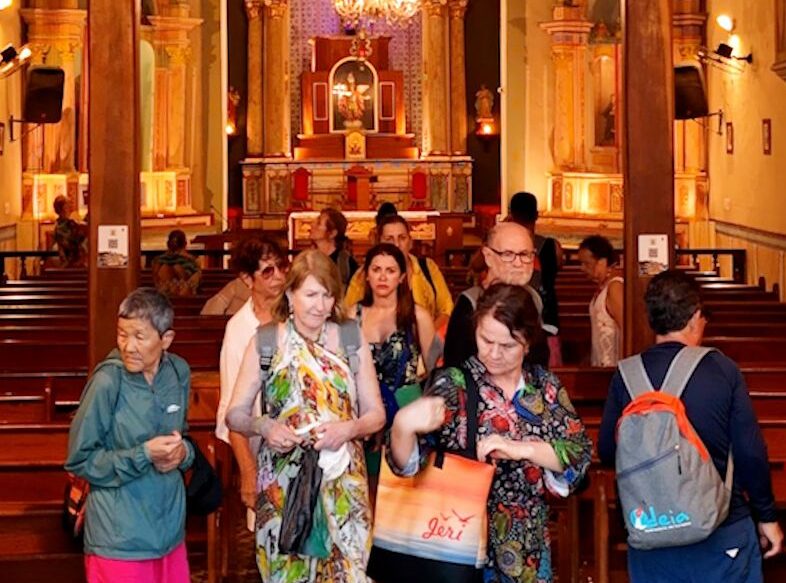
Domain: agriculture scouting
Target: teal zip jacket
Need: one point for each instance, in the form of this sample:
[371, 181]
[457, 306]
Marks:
[133, 511]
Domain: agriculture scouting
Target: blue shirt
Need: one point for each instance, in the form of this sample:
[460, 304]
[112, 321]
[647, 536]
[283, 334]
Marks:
[719, 408]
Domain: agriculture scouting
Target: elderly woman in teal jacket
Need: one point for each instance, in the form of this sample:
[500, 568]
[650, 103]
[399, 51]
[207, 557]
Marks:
[126, 441]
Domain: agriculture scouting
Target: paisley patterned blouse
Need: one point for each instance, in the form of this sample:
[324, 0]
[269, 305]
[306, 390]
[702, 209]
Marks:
[519, 543]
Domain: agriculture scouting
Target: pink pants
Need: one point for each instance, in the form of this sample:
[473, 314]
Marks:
[171, 568]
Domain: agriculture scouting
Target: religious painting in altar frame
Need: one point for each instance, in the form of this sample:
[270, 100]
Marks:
[353, 96]
[729, 137]
[766, 136]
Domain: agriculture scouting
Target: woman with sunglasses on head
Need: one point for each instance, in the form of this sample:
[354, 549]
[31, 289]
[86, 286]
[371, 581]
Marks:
[397, 330]
[262, 267]
[599, 262]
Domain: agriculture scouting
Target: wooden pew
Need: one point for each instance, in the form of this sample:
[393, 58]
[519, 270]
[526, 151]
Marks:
[31, 356]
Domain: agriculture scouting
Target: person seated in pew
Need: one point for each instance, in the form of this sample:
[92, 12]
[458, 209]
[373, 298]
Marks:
[719, 408]
[509, 254]
[599, 263]
[176, 272]
[425, 279]
[228, 300]
[127, 441]
[69, 236]
[526, 425]
[263, 267]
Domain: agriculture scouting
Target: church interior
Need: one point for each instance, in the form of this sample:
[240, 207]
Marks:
[226, 119]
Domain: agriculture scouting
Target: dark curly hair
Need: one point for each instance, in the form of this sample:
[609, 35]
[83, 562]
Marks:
[600, 247]
[247, 254]
[672, 298]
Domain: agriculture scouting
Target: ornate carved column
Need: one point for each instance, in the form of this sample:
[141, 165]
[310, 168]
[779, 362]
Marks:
[436, 129]
[275, 87]
[569, 31]
[254, 143]
[458, 89]
[173, 103]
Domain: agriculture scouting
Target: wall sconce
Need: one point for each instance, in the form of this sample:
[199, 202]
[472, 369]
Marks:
[5, 4]
[233, 101]
[727, 52]
[726, 22]
[12, 60]
[485, 122]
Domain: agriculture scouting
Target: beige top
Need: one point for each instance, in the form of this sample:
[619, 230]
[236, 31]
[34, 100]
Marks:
[605, 332]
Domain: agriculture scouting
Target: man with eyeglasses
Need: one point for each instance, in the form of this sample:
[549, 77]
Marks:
[509, 254]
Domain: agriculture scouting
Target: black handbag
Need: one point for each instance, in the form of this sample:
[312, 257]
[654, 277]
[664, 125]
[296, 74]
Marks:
[203, 486]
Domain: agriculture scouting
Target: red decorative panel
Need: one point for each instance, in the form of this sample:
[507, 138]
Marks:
[321, 101]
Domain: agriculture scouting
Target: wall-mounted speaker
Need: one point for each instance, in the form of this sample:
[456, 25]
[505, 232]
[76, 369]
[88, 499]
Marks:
[690, 97]
[44, 95]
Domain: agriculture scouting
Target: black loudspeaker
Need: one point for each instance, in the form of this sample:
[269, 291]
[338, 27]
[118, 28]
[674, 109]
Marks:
[44, 96]
[690, 98]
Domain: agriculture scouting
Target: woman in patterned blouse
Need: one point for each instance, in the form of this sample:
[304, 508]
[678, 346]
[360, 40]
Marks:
[526, 425]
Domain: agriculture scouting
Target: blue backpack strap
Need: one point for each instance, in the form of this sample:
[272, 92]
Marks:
[634, 376]
[267, 345]
[349, 337]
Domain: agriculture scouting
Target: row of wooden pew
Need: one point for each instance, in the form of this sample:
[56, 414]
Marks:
[43, 347]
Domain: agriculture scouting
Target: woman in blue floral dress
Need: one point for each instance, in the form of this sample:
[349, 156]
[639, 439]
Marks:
[526, 424]
[397, 330]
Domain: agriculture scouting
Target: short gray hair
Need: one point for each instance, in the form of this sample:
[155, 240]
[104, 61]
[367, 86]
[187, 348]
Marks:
[147, 303]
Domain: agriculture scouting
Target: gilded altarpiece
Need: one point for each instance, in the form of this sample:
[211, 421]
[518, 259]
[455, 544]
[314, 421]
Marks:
[586, 185]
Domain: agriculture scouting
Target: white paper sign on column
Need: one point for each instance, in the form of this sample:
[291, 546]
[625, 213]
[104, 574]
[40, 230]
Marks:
[653, 254]
[112, 245]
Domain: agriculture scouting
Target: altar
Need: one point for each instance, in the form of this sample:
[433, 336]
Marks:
[359, 128]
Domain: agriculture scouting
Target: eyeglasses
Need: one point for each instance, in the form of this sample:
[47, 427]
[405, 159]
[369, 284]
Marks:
[510, 256]
[267, 272]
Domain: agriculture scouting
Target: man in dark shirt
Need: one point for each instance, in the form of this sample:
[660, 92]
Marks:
[719, 408]
[509, 255]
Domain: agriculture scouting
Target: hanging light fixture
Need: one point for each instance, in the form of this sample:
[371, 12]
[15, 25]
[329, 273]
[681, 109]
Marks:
[356, 14]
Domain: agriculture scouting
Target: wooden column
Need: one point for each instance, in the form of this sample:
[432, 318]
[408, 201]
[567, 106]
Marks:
[254, 144]
[648, 149]
[458, 79]
[114, 160]
[275, 87]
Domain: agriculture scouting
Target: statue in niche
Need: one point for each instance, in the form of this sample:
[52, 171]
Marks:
[484, 103]
[607, 116]
[354, 91]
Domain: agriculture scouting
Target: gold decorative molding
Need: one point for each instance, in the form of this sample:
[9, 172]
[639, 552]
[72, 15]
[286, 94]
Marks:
[253, 9]
[457, 8]
[435, 7]
[277, 8]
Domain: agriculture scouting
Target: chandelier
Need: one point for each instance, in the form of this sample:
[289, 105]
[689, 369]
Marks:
[355, 13]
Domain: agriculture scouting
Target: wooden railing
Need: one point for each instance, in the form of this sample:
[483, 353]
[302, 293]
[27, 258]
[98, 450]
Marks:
[463, 256]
